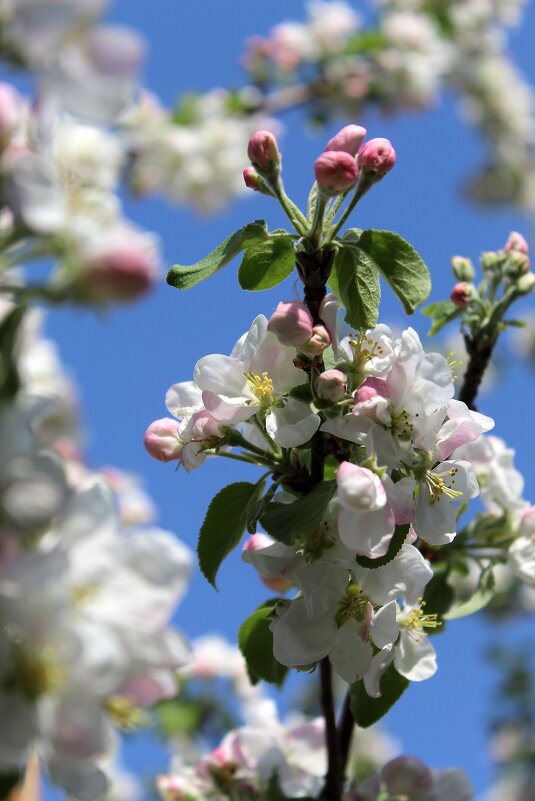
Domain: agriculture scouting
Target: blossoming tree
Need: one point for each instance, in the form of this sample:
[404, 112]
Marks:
[364, 458]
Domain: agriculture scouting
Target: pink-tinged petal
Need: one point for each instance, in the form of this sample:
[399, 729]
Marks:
[367, 533]
[299, 638]
[230, 411]
[415, 657]
[222, 375]
[401, 499]
[359, 489]
[380, 662]
[349, 427]
[192, 456]
[350, 656]
[384, 629]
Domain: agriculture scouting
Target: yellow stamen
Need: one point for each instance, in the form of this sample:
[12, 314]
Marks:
[364, 348]
[437, 486]
[417, 621]
[125, 714]
[36, 673]
[261, 386]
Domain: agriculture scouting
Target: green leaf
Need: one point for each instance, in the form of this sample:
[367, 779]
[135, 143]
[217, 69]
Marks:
[356, 282]
[400, 265]
[267, 264]
[9, 376]
[365, 710]
[178, 716]
[285, 521]
[256, 644]
[438, 597]
[184, 277]
[441, 313]
[224, 524]
[257, 509]
[396, 543]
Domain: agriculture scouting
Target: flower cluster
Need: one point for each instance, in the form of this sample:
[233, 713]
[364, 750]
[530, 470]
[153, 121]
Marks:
[85, 601]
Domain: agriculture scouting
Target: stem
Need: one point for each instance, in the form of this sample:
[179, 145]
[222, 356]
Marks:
[345, 733]
[332, 788]
[479, 350]
[296, 217]
[366, 181]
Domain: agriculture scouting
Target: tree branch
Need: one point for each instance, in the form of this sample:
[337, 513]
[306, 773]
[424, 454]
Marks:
[345, 733]
[333, 780]
[480, 351]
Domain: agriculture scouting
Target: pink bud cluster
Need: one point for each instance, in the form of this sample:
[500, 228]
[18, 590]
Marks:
[339, 167]
[292, 324]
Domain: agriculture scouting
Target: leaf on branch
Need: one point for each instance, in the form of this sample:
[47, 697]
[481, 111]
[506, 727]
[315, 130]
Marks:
[184, 277]
[355, 281]
[256, 644]
[438, 597]
[285, 521]
[224, 525]
[441, 314]
[398, 262]
[267, 264]
[365, 710]
[396, 543]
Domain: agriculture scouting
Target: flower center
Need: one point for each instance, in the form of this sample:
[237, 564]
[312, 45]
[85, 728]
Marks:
[436, 484]
[262, 387]
[124, 713]
[417, 620]
[365, 348]
[401, 425]
[353, 605]
[35, 674]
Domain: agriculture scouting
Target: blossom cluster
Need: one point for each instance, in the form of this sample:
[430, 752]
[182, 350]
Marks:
[88, 586]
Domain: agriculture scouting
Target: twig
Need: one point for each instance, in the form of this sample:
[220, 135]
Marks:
[333, 779]
[345, 733]
[480, 352]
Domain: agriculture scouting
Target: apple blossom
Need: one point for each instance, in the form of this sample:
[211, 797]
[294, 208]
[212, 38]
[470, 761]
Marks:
[377, 156]
[331, 386]
[161, 439]
[348, 139]
[336, 171]
[462, 294]
[263, 151]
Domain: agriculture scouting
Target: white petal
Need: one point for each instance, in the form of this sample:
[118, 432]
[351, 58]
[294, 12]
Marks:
[300, 638]
[183, 399]
[222, 375]
[415, 657]
[292, 424]
[229, 411]
[406, 575]
[384, 629]
[350, 656]
[367, 533]
[379, 663]
[359, 489]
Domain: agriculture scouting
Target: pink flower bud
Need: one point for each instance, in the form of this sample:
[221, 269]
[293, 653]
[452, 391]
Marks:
[257, 542]
[371, 388]
[251, 178]
[516, 242]
[331, 386]
[377, 156]
[161, 440]
[349, 139]
[462, 294]
[11, 105]
[291, 322]
[336, 171]
[318, 341]
[408, 777]
[263, 151]
[121, 269]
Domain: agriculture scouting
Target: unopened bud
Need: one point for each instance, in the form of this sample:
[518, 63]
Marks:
[526, 283]
[253, 181]
[377, 156]
[292, 323]
[161, 440]
[516, 242]
[463, 269]
[407, 777]
[490, 260]
[336, 172]
[349, 139]
[372, 388]
[462, 294]
[517, 263]
[10, 113]
[120, 270]
[263, 151]
[317, 342]
[331, 386]
[204, 427]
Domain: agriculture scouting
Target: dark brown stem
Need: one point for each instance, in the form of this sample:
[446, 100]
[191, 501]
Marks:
[345, 733]
[479, 350]
[332, 789]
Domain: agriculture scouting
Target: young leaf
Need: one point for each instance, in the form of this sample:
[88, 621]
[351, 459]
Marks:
[365, 710]
[398, 538]
[441, 314]
[267, 264]
[256, 644]
[224, 524]
[399, 263]
[285, 521]
[355, 281]
[184, 277]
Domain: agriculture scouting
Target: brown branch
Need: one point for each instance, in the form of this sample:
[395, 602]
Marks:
[332, 789]
[479, 350]
[345, 733]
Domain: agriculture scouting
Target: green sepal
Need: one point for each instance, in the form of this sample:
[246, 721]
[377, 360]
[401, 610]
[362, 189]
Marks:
[441, 314]
[286, 521]
[365, 710]
[184, 277]
[224, 525]
[267, 264]
[396, 543]
[255, 640]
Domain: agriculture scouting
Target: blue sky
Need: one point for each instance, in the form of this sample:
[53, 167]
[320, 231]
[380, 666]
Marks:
[125, 361]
